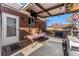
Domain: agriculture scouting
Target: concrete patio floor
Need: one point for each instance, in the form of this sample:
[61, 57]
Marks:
[51, 47]
[54, 45]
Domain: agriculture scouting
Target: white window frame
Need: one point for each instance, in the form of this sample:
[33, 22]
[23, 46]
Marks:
[32, 19]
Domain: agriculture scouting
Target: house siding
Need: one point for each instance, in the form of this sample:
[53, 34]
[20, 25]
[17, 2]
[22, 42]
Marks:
[39, 24]
[23, 21]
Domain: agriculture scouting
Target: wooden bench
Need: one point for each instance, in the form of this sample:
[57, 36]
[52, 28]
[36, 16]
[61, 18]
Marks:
[34, 36]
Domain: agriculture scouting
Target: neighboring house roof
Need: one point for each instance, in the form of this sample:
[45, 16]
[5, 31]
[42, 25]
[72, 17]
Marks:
[60, 26]
[68, 25]
[57, 26]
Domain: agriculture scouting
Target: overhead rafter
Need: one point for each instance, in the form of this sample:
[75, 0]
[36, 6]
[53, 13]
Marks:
[43, 8]
[62, 13]
[51, 8]
[52, 15]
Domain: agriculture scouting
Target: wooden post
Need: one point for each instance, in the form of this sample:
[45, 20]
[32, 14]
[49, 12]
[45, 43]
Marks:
[78, 28]
[71, 32]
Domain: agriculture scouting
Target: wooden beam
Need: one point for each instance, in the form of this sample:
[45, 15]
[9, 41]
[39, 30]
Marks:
[53, 15]
[61, 14]
[51, 8]
[43, 9]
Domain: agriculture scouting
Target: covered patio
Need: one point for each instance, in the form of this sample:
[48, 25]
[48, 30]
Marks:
[32, 18]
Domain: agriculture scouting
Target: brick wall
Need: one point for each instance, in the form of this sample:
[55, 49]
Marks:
[23, 22]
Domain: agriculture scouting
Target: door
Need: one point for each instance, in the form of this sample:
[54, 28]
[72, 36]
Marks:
[10, 32]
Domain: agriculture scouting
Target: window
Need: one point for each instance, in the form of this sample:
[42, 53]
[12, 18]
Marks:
[11, 27]
[31, 21]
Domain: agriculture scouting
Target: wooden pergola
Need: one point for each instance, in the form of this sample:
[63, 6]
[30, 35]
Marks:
[44, 10]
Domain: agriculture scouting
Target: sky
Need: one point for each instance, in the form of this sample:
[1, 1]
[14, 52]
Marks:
[58, 19]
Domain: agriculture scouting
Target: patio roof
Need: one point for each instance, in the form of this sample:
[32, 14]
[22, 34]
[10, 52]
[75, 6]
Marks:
[44, 10]
[15, 6]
